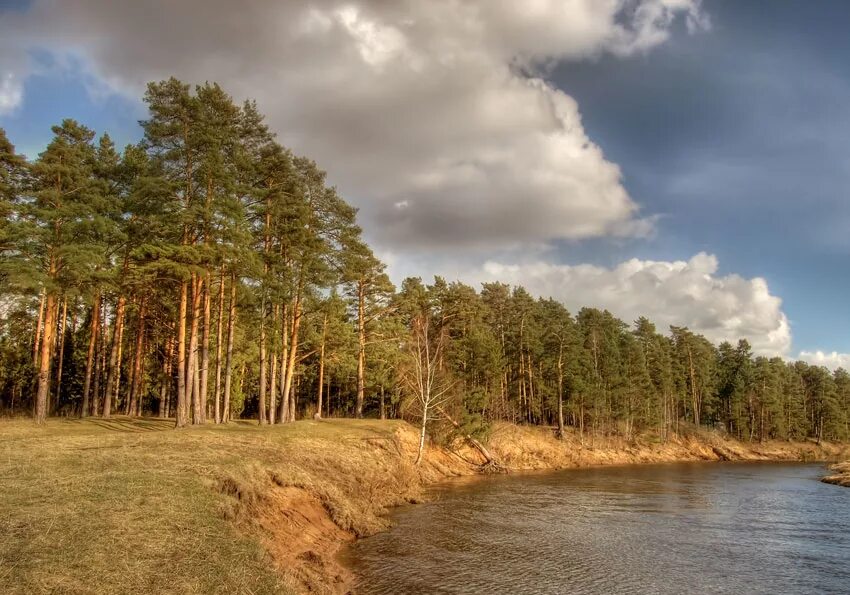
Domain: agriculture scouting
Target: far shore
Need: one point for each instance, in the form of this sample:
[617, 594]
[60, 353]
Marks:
[840, 474]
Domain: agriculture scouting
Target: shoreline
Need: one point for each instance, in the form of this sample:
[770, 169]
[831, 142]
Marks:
[322, 565]
[840, 475]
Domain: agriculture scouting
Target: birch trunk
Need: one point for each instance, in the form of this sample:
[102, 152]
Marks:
[422, 436]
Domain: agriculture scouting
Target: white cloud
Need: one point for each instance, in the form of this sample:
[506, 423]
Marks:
[833, 360]
[682, 293]
[11, 93]
[13, 70]
[436, 105]
[434, 117]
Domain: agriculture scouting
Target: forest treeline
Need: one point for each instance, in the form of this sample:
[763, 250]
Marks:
[207, 272]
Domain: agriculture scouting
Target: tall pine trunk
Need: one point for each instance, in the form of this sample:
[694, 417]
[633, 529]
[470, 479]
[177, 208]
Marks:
[196, 397]
[203, 389]
[261, 410]
[180, 408]
[361, 348]
[141, 390]
[322, 366]
[192, 364]
[228, 367]
[61, 353]
[138, 359]
[45, 352]
[39, 326]
[561, 392]
[694, 393]
[114, 374]
[184, 374]
[284, 357]
[275, 360]
[218, 350]
[291, 360]
[100, 365]
[263, 362]
[167, 380]
[95, 327]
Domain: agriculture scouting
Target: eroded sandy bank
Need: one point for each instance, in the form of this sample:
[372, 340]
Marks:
[306, 514]
[840, 474]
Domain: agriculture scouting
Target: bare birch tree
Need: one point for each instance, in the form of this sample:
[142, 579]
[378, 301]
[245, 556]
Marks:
[423, 377]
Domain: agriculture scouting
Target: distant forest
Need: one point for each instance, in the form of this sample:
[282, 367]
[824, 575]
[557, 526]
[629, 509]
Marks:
[208, 273]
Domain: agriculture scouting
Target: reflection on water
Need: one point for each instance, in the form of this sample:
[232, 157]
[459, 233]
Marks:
[688, 528]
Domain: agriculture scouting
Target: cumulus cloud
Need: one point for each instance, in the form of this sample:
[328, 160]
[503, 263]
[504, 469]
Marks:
[436, 119]
[432, 116]
[833, 360]
[13, 70]
[11, 93]
[682, 293]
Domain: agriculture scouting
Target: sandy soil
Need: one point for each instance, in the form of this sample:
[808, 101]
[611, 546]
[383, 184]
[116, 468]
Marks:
[840, 475]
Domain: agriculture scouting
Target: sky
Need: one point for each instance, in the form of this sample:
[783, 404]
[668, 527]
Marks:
[678, 159]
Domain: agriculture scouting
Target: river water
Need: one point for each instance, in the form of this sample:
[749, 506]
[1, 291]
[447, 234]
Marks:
[682, 528]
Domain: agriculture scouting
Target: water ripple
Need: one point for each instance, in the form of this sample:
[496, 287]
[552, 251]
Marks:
[690, 528]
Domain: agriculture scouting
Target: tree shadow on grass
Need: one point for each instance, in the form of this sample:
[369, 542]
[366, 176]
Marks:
[129, 424]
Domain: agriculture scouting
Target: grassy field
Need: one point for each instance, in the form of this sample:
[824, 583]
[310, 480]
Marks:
[131, 506]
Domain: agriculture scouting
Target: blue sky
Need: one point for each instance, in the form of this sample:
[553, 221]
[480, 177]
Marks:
[733, 139]
[740, 138]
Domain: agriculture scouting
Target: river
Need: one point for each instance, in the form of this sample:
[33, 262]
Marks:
[681, 528]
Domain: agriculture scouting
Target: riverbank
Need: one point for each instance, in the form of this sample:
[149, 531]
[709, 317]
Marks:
[130, 506]
[840, 475]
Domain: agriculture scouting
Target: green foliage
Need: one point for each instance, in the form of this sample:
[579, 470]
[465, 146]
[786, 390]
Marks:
[209, 201]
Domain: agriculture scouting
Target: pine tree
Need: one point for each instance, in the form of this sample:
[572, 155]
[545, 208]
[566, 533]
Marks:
[369, 289]
[560, 344]
[55, 250]
[13, 177]
[695, 361]
[211, 255]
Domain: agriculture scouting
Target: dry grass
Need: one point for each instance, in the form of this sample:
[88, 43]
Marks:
[130, 506]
